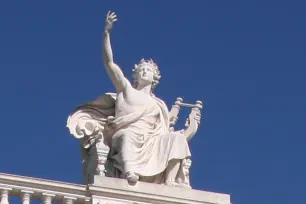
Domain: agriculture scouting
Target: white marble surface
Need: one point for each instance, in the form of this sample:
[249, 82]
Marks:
[112, 190]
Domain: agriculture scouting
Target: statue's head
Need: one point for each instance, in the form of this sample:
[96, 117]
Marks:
[146, 73]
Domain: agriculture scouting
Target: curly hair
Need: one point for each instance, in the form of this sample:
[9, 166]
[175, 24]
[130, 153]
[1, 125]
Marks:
[156, 72]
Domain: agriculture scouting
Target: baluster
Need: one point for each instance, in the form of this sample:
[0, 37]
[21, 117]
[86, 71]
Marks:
[87, 200]
[47, 198]
[4, 195]
[69, 200]
[26, 196]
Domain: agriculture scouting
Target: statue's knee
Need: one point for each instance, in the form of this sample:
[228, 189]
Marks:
[125, 137]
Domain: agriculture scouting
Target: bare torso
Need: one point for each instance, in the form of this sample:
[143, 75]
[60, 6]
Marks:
[131, 100]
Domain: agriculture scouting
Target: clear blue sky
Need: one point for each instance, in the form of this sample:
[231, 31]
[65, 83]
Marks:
[245, 59]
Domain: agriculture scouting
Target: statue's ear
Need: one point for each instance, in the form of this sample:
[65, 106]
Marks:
[135, 67]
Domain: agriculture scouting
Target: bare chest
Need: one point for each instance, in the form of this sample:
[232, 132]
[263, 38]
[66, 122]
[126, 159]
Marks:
[132, 101]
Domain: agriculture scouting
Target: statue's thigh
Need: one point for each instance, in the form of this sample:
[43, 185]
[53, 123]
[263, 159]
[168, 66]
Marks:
[124, 139]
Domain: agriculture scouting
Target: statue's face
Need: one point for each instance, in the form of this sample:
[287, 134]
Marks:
[145, 75]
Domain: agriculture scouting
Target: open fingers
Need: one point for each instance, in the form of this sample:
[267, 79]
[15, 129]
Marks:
[111, 21]
[112, 17]
[112, 14]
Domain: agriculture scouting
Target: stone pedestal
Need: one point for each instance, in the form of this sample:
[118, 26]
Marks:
[106, 190]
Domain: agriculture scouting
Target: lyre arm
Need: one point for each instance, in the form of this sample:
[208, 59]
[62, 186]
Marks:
[173, 115]
[193, 120]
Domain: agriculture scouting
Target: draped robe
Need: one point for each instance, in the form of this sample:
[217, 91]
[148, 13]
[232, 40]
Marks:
[142, 143]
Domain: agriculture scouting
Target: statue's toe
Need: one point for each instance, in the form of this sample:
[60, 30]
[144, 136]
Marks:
[132, 177]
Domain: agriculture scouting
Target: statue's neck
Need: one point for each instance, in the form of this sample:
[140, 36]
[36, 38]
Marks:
[145, 89]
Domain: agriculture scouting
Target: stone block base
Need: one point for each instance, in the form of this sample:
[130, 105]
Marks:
[106, 190]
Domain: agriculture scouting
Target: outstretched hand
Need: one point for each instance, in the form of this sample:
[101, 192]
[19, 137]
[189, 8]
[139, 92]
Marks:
[111, 17]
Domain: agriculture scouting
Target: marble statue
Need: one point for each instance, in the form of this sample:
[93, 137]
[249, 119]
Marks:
[130, 134]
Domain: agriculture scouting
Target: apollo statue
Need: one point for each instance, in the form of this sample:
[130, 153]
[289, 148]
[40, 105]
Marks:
[130, 134]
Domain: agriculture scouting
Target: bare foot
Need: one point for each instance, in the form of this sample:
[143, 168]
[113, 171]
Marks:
[132, 177]
[183, 185]
[170, 183]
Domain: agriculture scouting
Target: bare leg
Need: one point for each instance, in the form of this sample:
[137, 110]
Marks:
[171, 172]
[128, 156]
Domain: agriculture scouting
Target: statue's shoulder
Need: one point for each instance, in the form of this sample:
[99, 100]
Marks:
[160, 102]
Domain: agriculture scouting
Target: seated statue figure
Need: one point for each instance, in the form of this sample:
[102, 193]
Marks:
[130, 134]
[142, 148]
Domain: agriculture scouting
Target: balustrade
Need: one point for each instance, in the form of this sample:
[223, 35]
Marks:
[27, 188]
[104, 190]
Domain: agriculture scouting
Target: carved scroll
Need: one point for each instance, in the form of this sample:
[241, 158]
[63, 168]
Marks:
[87, 125]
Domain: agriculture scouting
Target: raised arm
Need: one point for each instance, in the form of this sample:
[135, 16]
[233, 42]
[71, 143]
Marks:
[113, 69]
